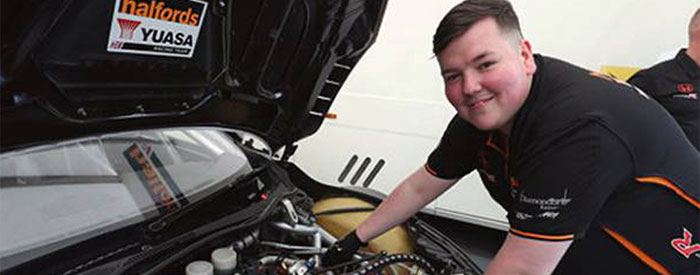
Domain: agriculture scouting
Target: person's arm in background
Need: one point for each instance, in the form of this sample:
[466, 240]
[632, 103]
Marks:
[414, 192]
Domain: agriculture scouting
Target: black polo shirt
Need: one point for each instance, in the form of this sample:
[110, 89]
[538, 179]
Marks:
[674, 83]
[590, 160]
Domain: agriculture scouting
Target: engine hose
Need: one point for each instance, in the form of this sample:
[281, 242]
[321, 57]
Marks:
[388, 260]
[246, 241]
[344, 210]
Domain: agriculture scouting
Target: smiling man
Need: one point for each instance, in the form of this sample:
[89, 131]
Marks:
[595, 176]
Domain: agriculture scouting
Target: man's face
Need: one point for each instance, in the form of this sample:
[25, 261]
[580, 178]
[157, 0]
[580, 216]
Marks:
[487, 75]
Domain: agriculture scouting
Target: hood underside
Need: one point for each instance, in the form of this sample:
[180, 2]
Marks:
[74, 68]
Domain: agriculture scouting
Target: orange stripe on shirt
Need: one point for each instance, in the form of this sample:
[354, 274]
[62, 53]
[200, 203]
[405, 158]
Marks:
[491, 143]
[543, 237]
[667, 183]
[637, 252]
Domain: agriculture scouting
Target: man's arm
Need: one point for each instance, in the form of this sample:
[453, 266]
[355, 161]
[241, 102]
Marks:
[414, 192]
[520, 255]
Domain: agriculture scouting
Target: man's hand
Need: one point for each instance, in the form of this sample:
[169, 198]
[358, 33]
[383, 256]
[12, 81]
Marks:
[342, 250]
[411, 195]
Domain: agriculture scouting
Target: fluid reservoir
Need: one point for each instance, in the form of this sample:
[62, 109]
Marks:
[199, 268]
[224, 260]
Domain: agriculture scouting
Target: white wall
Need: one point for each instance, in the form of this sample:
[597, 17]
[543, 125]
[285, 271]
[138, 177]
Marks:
[593, 33]
[392, 106]
[590, 33]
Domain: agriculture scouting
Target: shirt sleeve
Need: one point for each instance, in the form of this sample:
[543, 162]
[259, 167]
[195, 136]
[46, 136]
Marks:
[641, 81]
[648, 81]
[564, 186]
[455, 155]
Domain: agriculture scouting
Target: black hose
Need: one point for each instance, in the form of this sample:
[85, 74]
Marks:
[344, 210]
[448, 245]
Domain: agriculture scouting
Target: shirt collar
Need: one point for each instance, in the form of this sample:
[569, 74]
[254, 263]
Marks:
[687, 64]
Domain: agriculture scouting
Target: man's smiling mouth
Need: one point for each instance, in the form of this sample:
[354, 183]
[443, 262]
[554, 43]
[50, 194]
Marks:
[480, 102]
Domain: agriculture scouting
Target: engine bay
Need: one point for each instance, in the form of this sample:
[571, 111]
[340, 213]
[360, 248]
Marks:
[292, 243]
[273, 219]
[298, 228]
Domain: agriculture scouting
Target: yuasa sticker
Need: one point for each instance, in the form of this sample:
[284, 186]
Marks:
[156, 27]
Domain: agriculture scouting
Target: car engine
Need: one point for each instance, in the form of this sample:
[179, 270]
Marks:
[291, 229]
[293, 241]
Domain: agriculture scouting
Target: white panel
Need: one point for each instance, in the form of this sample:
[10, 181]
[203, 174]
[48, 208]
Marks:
[469, 201]
[403, 138]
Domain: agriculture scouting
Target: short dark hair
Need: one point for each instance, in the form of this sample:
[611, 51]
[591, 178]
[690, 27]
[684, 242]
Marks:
[460, 18]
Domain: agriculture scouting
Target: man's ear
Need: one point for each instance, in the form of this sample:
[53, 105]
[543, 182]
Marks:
[527, 58]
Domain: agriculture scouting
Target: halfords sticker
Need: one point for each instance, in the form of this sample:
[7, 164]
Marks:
[163, 27]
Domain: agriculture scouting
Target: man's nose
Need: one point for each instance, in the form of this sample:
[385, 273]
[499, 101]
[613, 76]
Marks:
[470, 84]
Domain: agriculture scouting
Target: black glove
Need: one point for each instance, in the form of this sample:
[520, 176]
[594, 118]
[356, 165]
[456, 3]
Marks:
[342, 250]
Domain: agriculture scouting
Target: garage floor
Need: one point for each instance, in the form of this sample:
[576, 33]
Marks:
[479, 242]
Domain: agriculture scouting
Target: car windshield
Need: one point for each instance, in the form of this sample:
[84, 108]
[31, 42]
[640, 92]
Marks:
[58, 195]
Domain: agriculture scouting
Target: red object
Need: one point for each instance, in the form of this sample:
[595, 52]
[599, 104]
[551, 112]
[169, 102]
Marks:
[264, 196]
[127, 27]
[684, 245]
[685, 88]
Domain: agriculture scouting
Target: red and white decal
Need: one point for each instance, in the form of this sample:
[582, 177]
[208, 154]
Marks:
[684, 245]
[156, 27]
[685, 88]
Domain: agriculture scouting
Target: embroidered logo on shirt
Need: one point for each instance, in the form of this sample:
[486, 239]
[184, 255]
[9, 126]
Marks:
[685, 88]
[546, 203]
[684, 246]
[692, 96]
[549, 215]
[522, 216]
[544, 215]
[513, 183]
[686, 91]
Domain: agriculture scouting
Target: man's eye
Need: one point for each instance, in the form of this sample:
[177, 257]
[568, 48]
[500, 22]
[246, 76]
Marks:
[451, 78]
[486, 65]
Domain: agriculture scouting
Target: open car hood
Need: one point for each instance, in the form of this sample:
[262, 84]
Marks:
[74, 68]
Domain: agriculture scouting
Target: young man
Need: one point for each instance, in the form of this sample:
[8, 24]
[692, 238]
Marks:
[674, 83]
[596, 178]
